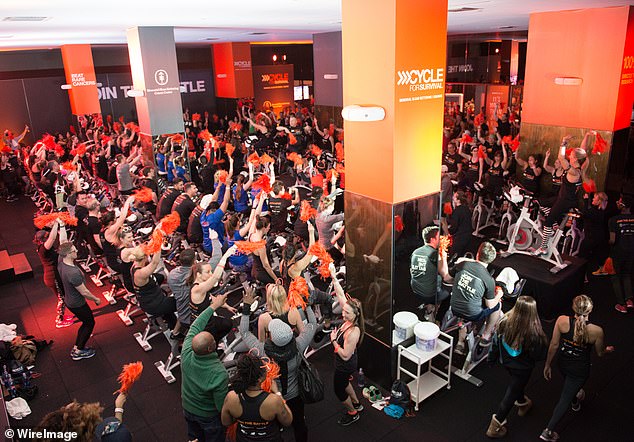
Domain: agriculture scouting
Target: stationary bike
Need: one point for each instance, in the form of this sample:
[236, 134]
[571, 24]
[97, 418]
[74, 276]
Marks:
[525, 235]
[483, 213]
[574, 235]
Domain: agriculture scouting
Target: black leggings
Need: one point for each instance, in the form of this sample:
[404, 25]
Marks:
[296, 405]
[84, 314]
[514, 391]
[622, 281]
[340, 382]
[572, 385]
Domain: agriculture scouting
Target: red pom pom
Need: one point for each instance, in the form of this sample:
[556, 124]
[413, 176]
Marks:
[246, 247]
[298, 293]
[515, 144]
[599, 145]
[264, 183]
[398, 223]
[49, 141]
[507, 139]
[590, 186]
[196, 117]
[133, 127]
[205, 135]
[292, 139]
[154, 244]
[69, 166]
[235, 126]
[467, 139]
[117, 127]
[72, 130]
[170, 223]
[67, 219]
[447, 209]
[129, 375]
[307, 211]
[144, 194]
[109, 118]
[315, 150]
[121, 119]
[178, 138]
[272, 373]
[481, 152]
[81, 149]
[105, 139]
[43, 220]
[59, 150]
[286, 196]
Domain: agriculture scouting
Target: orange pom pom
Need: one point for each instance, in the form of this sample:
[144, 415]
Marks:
[246, 247]
[43, 220]
[315, 150]
[298, 293]
[608, 267]
[286, 196]
[507, 139]
[67, 219]
[324, 258]
[133, 127]
[515, 144]
[292, 139]
[81, 149]
[222, 176]
[178, 138]
[232, 432]
[69, 166]
[264, 183]
[266, 159]
[235, 126]
[254, 158]
[467, 139]
[307, 211]
[117, 127]
[196, 117]
[229, 148]
[154, 244]
[444, 243]
[481, 152]
[144, 194]
[128, 376]
[170, 223]
[447, 209]
[49, 141]
[121, 119]
[339, 152]
[272, 373]
[295, 158]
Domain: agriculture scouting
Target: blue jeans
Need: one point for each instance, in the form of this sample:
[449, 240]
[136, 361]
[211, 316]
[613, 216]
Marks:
[205, 429]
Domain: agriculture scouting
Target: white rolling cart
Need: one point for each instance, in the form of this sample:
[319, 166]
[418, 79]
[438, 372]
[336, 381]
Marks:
[427, 382]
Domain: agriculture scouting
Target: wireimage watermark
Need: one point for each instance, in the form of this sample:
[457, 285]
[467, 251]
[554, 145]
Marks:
[30, 434]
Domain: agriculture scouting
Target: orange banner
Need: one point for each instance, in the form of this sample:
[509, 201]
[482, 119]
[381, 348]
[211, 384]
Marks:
[232, 70]
[80, 75]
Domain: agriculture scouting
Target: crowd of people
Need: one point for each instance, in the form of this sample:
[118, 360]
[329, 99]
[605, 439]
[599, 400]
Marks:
[256, 199]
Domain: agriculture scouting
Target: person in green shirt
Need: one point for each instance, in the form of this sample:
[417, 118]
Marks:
[205, 379]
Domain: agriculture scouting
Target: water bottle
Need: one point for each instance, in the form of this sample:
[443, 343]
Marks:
[361, 379]
[26, 380]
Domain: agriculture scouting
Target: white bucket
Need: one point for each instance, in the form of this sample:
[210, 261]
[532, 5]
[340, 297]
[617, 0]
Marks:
[426, 335]
[404, 323]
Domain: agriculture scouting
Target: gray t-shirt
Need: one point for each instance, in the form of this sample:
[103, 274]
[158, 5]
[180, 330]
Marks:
[424, 271]
[177, 282]
[72, 278]
[124, 177]
[472, 283]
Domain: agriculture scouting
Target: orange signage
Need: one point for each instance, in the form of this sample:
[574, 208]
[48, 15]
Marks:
[80, 75]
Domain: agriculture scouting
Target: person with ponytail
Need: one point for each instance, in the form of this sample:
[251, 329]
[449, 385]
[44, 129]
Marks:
[522, 343]
[240, 192]
[345, 340]
[573, 340]
[258, 413]
[261, 269]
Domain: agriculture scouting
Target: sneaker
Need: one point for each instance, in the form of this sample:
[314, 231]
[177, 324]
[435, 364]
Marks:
[620, 308]
[77, 354]
[599, 272]
[549, 435]
[358, 407]
[348, 419]
[66, 322]
[629, 303]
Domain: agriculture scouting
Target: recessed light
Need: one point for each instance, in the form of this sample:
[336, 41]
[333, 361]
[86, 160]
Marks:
[24, 18]
[464, 9]
[211, 38]
[258, 33]
[507, 27]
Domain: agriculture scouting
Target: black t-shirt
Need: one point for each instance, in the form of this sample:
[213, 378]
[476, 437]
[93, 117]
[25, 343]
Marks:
[278, 208]
[504, 127]
[93, 227]
[166, 202]
[623, 228]
[451, 161]
[101, 167]
[81, 213]
[194, 228]
[184, 206]
[472, 283]
[207, 178]
[49, 258]
[423, 270]
[460, 221]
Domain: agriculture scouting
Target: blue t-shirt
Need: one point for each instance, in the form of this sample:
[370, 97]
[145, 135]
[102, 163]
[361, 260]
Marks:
[240, 204]
[221, 193]
[237, 259]
[170, 171]
[212, 220]
[180, 172]
[254, 194]
[160, 162]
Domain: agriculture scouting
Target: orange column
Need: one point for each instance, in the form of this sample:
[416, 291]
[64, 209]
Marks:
[394, 56]
[232, 69]
[80, 75]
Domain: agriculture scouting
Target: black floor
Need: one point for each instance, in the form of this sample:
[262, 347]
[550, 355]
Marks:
[153, 411]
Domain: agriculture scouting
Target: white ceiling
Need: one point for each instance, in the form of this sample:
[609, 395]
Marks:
[195, 21]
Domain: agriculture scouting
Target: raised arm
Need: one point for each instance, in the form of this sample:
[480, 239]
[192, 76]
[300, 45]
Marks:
[297, 268]
[562, 152]
[205, 286]
[341, 295]
[547, 167]
[144, 273]
[461, 153]
[114, 228]
[52, 236]
[227, 197]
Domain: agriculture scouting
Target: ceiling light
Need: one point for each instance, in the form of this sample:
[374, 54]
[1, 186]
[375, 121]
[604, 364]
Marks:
[568, 81]
[258, 33]
[211, 38]
[24, 18]
[507, 27]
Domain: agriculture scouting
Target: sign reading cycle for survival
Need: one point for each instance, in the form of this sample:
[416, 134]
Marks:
[273, 86]
[427, 80]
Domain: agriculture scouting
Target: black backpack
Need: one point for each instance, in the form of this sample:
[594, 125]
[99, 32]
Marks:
[400, 394]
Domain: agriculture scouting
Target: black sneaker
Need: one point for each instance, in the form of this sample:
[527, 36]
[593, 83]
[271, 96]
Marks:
[86, 353]
[348, 419]
[358, 406]
[549, 436]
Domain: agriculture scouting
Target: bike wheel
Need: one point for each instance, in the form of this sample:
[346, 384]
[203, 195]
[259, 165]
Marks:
[524, 238]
